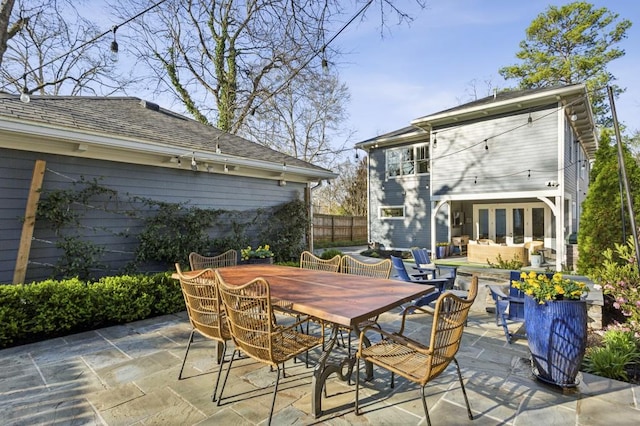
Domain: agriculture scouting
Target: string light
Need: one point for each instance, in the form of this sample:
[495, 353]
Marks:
[114, 45]
[24, 96]
[486, 147]
[435, 139]
[530, 120]
[194, 164]
[555, 110]
[529, 174]
[86, 43]
[475, 180]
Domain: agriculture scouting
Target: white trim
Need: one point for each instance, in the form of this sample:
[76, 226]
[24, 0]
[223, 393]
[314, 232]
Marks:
[53, 140]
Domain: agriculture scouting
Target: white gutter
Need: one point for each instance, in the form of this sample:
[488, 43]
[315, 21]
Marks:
[130, 144]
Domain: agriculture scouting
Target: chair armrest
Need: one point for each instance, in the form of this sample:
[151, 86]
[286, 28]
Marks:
[411, 309]
[497, 292]
[395, 337]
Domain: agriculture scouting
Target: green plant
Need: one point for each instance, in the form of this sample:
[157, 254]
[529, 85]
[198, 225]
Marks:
[618, 276]
[261, 252]
[543, 288]
[330, 254]
[41, 310]
[513, 264]
[612, 360]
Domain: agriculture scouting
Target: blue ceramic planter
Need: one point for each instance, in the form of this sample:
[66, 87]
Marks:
[557, 336]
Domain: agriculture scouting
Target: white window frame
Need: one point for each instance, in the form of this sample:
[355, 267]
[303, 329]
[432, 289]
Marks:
[383, 217]
[407, 166]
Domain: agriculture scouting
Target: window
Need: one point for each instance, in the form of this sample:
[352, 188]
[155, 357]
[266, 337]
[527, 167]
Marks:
[392, 212]
[407, 161]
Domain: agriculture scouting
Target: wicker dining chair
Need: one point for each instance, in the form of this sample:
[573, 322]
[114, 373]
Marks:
[205, 314]
[381, 269]
[351, 265]
[198, 261]
[417, 362]
[309, 260]
[250, 315]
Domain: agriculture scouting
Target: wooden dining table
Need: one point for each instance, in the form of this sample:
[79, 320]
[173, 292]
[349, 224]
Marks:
[342, 300]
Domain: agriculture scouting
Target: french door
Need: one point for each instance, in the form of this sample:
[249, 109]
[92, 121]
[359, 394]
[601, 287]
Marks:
[511, 223]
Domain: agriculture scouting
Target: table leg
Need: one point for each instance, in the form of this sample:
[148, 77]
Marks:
[323, 370]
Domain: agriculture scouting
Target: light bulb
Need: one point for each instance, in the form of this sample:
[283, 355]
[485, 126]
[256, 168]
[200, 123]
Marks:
[114, 51]
[24, 97]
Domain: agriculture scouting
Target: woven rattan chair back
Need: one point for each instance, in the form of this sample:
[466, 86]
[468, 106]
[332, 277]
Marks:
[203, 304]
[250, 316]
[350, 265]
[310, 261]
[449, 320]
[415, 361]
[228, 258]
[206, 314]
[254, 331]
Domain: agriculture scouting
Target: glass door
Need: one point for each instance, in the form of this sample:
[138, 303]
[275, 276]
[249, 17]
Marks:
[501, 225]
[518, 225]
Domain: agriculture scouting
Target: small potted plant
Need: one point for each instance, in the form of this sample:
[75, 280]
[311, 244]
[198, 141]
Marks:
[536, 259]
[262, 254]
[442, 249]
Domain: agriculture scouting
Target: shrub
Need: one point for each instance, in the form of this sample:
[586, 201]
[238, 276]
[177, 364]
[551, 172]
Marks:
[513, 264]
[41, 310]
[618, 276]
[612, 360]
[331, 253]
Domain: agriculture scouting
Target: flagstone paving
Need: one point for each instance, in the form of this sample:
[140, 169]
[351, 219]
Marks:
[128, 374]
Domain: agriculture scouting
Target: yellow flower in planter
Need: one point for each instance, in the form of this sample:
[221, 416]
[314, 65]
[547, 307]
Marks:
[544, 287]
[261, 252]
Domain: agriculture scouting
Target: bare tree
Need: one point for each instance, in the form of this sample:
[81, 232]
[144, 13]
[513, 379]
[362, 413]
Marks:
[49, 52]
[222, 59]
[305, 119]
[347, 195]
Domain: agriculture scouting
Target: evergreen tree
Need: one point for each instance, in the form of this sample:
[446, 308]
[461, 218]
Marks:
[601, 220]
[570, 44]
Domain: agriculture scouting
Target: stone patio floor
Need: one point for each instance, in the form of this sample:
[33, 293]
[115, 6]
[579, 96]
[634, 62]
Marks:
[127, 375]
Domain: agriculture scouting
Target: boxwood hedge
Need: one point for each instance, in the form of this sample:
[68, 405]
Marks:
[46, 309]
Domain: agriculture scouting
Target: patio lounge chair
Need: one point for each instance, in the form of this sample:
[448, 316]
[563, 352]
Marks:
[509, 306]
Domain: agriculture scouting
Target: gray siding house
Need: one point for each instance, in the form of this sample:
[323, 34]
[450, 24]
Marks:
[512, 168]
[136, 148]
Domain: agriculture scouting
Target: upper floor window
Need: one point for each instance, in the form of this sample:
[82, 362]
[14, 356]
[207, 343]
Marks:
[407, 160]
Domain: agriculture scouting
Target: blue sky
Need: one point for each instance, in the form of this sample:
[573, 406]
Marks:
[427, 66]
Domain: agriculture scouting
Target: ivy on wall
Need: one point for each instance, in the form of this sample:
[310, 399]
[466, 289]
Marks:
[170, 231]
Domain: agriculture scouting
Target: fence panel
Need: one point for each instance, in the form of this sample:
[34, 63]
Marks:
[329, 228]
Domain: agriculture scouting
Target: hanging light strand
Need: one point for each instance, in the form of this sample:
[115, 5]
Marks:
[88, 42]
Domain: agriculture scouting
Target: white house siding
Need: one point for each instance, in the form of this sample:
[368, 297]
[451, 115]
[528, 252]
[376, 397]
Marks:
[410, 192]
[519, 157]
[207, 190]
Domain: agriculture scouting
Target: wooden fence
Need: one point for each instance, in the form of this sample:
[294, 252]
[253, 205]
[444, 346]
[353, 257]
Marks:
[328, 228]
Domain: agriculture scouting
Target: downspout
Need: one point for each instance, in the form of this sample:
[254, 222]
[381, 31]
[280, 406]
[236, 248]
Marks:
[310, 209]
